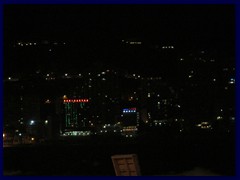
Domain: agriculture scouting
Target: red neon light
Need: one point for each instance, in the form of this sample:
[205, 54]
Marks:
[76, 100]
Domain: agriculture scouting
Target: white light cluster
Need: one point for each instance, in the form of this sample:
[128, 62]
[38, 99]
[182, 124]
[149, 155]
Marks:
[168, 47]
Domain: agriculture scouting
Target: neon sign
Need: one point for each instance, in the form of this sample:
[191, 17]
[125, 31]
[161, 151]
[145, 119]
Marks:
[129, 110]
[75, 100]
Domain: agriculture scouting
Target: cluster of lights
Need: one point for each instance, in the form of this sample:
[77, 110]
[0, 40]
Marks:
[129, 110]
[135, 42]
[130, 129]
[204, 125]
[167, 47]
[77, 133]
[26, 44]
[232, 81]
[75, 100]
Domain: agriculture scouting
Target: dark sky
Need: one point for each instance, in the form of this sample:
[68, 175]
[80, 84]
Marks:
[213, 24]
[94, 26]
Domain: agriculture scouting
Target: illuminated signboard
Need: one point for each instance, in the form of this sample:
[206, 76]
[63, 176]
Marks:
[129, 110]
[75, 100]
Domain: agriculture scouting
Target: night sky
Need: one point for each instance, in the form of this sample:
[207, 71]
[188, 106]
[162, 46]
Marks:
[101, 27]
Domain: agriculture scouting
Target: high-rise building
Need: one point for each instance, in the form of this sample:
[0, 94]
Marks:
[76, 117]
[130, 122]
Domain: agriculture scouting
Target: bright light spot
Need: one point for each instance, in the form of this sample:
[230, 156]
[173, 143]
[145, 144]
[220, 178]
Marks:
[32, 122]
[47, 101]
[4, 135]
[9, 78]
[50, 50]
[32, 139]
[46, 122]
[219, 117]
[20, 134]
[232, 81]
[66, 74]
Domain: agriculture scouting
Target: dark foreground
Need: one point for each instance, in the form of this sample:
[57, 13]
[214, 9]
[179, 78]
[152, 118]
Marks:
[201, 153]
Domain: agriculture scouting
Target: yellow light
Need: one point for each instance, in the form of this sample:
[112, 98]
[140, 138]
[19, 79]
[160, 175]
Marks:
[32, 139]
[4, 135]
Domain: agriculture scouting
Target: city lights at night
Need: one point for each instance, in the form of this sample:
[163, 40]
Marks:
[85, 82]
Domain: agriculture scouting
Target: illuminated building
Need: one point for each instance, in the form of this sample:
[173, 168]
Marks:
[75, 116]
[130, 122]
